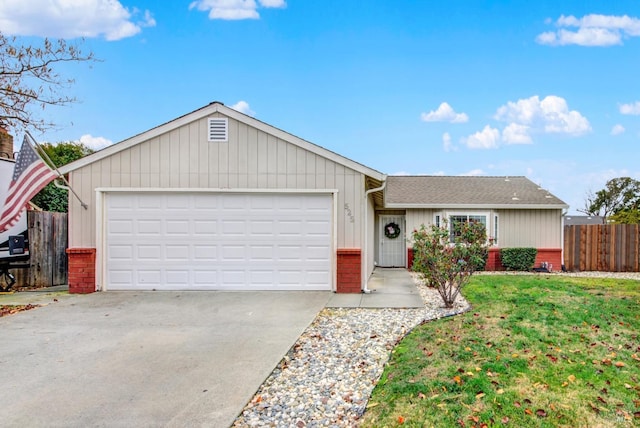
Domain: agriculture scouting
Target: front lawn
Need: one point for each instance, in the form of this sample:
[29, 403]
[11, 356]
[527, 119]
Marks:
[534, 350]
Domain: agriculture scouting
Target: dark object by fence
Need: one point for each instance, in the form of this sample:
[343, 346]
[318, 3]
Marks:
[47, 244]
[605, 248]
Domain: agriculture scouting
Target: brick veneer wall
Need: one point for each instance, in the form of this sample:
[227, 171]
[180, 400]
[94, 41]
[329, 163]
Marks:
[349, 270]
[82, 270]
[552, 256]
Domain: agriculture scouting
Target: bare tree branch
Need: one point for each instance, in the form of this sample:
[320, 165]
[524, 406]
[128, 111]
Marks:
[29, 80]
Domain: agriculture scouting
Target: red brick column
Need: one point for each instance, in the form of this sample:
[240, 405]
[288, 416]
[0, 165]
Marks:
[550, 255]
[82, 270]
[349, 270]
[409, 258]
[493, 261]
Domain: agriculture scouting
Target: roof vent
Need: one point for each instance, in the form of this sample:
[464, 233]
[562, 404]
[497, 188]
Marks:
[218, 129]
[515, 197]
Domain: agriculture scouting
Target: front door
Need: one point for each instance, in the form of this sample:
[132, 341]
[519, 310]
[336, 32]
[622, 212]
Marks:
[392, 247]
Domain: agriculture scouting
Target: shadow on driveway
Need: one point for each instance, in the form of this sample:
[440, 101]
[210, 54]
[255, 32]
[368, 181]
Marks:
[146, 359]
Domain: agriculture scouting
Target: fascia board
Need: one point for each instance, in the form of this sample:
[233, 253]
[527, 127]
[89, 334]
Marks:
[478, 206]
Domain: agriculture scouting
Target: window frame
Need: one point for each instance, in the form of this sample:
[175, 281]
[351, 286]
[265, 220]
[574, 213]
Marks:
[468, 214]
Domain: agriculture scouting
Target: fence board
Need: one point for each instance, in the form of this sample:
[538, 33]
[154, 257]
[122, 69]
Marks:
[607, 248]
[47, 246]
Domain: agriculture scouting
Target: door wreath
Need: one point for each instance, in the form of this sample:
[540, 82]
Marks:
[391, 230]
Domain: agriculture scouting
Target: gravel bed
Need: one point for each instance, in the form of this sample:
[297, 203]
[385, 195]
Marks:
[326, 378]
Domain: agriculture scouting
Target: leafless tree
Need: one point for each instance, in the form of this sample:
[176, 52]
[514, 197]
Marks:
[29, 80]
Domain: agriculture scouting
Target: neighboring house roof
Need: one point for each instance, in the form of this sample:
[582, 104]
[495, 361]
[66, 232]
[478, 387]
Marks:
[579, 220]
[218, 107]
[468, 192]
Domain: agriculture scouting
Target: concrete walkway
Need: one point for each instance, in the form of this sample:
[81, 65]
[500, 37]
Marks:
[390, 288]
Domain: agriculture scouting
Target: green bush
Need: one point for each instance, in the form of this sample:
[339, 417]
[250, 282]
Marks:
[448, 266]
[521, 259]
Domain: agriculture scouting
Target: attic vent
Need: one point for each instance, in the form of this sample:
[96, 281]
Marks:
[218, 128]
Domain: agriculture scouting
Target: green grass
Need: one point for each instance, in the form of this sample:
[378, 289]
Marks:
[541, 351]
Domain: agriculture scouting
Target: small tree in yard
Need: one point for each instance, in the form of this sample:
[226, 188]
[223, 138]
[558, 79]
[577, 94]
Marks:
[447, 265]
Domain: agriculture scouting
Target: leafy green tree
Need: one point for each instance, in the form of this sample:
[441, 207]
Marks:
[620, 194]
[29, 81]
[448, 266]
[53, 198]
[626, 217]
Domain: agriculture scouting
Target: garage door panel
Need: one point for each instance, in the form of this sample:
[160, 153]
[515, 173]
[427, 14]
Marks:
[205, 227]
[149, 253]
[120, 227]
[177, 277]
[177, 253]
[202, 253]
[218, 241]
[177, 227]
[148, 227]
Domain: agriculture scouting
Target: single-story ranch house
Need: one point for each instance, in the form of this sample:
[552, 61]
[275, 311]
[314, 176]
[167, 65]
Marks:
[218, 200]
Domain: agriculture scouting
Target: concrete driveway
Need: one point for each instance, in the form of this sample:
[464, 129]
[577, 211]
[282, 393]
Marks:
[146, 359]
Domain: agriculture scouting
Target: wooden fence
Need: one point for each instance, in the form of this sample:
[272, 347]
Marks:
[47, 246]
[606, 248]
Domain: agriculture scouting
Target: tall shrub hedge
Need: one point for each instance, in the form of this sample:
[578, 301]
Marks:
[521, 259]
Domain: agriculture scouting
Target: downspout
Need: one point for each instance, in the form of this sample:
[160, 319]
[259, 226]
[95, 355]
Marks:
[366, 234]
[564, 213]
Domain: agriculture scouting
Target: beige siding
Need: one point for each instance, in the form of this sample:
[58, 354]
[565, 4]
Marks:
[530, 228]
[252, 159]
[516, 228]
[415, 219]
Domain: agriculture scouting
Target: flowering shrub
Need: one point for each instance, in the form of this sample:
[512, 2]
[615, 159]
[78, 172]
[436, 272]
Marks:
[448, 266]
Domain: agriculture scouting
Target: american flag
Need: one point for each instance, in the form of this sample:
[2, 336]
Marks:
[30, 175]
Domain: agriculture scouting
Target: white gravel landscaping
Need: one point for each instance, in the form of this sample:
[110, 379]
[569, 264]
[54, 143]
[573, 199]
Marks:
[326, 379]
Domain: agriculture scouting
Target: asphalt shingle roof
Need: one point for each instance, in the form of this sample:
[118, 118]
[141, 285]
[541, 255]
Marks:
[444, 191]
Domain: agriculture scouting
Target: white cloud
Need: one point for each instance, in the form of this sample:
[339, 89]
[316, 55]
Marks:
[549, 115]
[95, 143]
[71, 18]
[631, 108]
[592, 30]
[516, 133]
[235, 9]
[617, 129]
[444, 113]
[447, 144]
[243, 107]
[488, 138]
[473, 172]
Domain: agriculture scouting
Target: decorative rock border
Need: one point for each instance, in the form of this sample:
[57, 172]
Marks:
[327, 377]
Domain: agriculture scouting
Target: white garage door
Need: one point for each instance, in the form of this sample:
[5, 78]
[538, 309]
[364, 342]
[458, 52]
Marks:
[207, 241]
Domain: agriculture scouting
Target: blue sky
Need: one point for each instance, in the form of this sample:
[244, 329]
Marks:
[545, 89]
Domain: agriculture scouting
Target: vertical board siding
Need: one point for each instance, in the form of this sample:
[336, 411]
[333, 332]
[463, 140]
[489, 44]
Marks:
[252, 159]
[530, 228]
[606, 248]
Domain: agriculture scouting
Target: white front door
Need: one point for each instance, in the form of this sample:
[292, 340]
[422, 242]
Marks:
[391, 232]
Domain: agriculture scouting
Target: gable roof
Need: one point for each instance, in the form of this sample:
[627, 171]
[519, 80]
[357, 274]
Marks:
[218, 107]
[468, 192]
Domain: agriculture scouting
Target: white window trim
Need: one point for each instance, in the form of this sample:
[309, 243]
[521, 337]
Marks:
[485, 214]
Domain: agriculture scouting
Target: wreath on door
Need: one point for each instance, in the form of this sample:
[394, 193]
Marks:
[391, 230]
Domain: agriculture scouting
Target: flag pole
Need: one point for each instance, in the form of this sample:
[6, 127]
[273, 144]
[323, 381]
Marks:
[50, 162]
